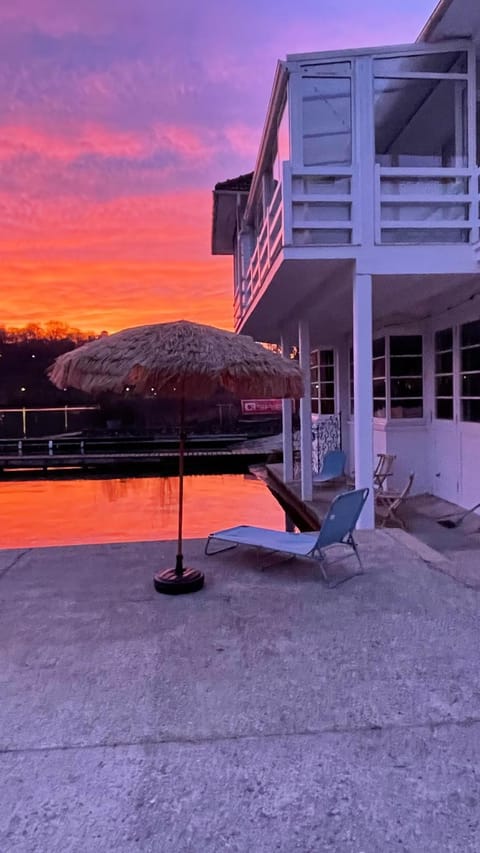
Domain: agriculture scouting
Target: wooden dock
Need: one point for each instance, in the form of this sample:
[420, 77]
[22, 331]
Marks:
[109, 455]
[305, 515]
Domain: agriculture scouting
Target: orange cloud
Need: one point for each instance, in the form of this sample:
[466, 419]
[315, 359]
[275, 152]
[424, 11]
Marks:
[113, 264]
[113, 295]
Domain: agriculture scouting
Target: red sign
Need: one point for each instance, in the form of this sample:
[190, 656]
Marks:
[261, 407]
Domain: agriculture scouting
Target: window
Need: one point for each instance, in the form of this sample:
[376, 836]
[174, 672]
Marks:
[421, 119]
[327, 121]
[283, 143]
[379, 379]
[314, 381]
[420, 122]
[470, 371]
[322, 375]
[444, 374]
[352, 389]
[406, 376]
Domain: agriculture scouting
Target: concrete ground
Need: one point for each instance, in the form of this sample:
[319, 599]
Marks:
[264, 713]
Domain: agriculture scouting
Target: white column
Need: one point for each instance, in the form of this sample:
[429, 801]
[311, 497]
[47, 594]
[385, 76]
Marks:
[363, 391]
[287, 432]
[343, 395]
[305, 413]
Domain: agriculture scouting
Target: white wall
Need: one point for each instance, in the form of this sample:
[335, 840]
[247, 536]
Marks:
[469, 493]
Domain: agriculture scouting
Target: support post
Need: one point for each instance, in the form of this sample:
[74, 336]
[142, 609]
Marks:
[287, 430]
[363, 394]
[305, 413]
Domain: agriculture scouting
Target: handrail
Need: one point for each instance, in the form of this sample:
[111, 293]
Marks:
[464, 202]
[278, 226]
[26, 447]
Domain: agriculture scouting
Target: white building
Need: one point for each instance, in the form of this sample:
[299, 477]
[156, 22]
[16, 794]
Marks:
[357, 237]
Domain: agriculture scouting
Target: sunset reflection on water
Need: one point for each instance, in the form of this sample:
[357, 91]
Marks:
[77, 512]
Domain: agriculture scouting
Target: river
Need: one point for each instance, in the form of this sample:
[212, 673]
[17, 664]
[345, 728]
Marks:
[37, 513]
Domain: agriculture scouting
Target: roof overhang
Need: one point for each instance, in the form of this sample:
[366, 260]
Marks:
[453, 19]
[229, 200]
[275, 105]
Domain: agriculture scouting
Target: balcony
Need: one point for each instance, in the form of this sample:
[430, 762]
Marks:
[381, 153]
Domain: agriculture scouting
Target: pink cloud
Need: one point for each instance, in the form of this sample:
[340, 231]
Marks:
[69, 143]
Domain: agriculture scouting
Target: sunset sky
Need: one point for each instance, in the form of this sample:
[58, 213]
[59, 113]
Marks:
[117, 117]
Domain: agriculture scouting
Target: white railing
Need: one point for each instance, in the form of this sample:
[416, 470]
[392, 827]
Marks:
[268, 244]
[312, 206]
[321, 206]
[425, 205]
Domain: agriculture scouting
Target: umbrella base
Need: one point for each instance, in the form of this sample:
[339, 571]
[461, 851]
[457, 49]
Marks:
[171, 583]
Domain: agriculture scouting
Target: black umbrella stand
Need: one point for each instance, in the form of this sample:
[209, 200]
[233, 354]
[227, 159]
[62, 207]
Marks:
[181, 579]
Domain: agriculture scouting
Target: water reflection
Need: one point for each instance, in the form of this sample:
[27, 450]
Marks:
[67, 512]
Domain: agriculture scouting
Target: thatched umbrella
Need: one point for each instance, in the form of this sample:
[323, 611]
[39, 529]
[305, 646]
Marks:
[184, 360]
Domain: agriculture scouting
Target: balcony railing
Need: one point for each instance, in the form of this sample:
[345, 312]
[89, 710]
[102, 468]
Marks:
[267, 246]
[419, 206]
[310, 207]
[321, 207]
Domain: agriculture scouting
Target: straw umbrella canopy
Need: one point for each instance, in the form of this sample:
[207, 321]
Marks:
[183, 360]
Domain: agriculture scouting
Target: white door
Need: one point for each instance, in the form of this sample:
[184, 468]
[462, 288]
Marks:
[445, 431]
[469, 412]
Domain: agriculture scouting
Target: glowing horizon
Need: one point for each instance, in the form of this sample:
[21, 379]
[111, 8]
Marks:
[116, 124]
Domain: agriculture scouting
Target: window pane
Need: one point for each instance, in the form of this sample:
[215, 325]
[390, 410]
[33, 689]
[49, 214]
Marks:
[405, 345]
[283, 141]
[327, 125]
[406, 366]
[444, 386]
[314, 406]
[420, 122]
[407, 408]
[444, 339]
[444, 362]
[439, 63]
[378, 347]
[379, 367]
[327, 373]
[471, 359]
[406, 388]
[318, 68]
[379, 388]
[326, 356]
[471, 410]
[444, 410]
[328, 407]
[471, 385]
[470, 334]
[327, 389]
[313, 357]
[379, 408]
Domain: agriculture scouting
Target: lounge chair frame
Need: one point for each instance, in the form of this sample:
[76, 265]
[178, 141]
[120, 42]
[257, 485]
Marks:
[337, 529]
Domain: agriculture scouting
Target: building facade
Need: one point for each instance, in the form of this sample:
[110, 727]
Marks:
[356, 238]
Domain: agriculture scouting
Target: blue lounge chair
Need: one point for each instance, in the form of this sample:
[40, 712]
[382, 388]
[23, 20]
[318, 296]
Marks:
[333, 467]
[337, 529]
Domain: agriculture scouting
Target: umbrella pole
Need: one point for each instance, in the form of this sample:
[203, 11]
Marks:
[179, 580]
[181, 468]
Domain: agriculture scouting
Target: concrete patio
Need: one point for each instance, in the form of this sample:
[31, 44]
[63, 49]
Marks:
[265, 713]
